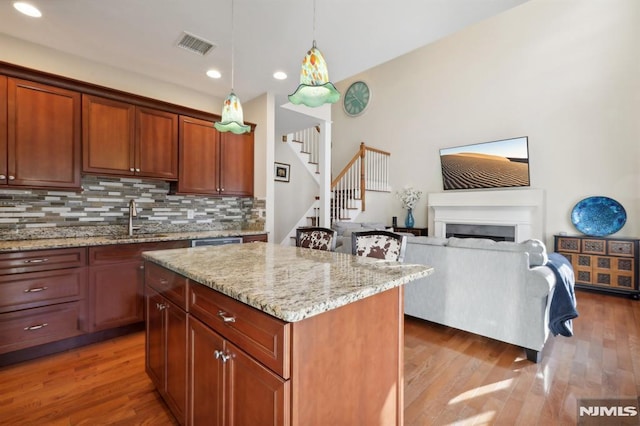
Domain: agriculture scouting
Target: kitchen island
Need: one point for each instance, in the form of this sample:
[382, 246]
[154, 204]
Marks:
[267, 334]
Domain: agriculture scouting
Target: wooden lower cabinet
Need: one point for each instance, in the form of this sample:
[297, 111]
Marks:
[221, 376]
[166, 361]
[245, 367]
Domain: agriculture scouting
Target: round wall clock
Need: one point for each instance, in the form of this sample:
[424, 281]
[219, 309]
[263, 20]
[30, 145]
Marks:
[356, 98]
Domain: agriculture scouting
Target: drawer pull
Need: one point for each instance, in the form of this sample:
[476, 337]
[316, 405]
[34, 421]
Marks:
[161, 306]
[36, 327]
[225, 318]
[222, 356]
[164, 281]
[35, 290]
[36, 260]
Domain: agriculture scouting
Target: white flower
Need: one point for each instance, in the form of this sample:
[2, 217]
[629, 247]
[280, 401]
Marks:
[409, 197]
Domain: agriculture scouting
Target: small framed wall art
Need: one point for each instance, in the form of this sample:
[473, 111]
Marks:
[281, 172]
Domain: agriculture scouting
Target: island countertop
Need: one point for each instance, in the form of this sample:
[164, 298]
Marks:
[289, 283]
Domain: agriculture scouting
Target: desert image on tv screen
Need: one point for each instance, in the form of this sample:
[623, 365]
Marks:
[496, 164]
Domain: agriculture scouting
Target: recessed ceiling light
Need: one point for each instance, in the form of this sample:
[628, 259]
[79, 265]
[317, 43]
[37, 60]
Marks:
[280, 75]
[214, 74]
[27, 9]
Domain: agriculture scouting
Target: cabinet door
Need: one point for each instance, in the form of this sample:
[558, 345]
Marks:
[3, 130]
[206, 374]
[176, 359]
[156, 144]
[108, 136]
[198, 169]
[249, 381]
[236, 164]
[43, 139]
[155, 338]
[115, 294]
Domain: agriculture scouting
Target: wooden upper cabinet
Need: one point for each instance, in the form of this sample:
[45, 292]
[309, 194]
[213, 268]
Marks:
[156, 144]
[236, 164]
[108, 136]
[199, 158]
[43, 135]
[212, 162]
[3, 130]
[122, 139]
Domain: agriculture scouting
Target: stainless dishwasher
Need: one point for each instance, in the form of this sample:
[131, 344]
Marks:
[216, 241]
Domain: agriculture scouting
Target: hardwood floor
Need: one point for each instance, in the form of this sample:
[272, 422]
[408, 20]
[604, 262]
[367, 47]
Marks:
[451, 377]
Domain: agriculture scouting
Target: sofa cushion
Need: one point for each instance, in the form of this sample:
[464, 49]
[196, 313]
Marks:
[536, 248]
[340, 227]
[430, 241]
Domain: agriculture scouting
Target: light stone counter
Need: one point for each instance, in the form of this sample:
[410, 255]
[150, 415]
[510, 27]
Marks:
[289, 283]
[103, 240]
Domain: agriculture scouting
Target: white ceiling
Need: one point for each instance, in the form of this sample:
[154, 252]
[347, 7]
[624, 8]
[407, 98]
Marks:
[269, 35]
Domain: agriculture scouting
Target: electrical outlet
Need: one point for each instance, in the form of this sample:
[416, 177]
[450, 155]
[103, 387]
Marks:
[190, 214]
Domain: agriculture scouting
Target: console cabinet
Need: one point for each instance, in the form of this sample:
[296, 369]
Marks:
[605, 264]
[122, 139]
[212, 162]
[40, 135]
[42, 297]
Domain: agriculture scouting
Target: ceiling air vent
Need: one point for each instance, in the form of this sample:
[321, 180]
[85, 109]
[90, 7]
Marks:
[195, 44]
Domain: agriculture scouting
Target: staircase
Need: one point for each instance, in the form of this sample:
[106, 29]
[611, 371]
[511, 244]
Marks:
[368, 170]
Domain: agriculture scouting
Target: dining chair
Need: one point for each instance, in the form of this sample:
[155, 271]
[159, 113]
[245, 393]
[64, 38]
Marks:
[379, 244]
[318, 238]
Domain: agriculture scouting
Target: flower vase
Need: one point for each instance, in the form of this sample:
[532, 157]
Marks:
[408, 222]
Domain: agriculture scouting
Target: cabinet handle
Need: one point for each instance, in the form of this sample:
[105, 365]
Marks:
[42, 260]
[131, 169]
[164, 281]
[221, 189]
[222, 356]
[161, 306]
[36, 327]
[12, 177]
[35, 290]
[141, 266]
[137, 170]
[225, 318]
[3, 177]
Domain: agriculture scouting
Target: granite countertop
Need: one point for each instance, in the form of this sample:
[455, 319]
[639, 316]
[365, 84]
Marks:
[289, 283]
[103, 240]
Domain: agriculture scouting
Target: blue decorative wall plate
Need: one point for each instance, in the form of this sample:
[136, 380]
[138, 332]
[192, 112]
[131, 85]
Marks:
[598, 216]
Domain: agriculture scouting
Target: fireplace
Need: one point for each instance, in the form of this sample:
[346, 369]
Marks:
[492, 232]
[507, 215]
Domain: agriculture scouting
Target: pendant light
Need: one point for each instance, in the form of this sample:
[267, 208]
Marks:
[315, 89]
[232, 116]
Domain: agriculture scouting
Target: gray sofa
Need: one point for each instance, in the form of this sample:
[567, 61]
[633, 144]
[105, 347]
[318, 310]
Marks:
[499, 290]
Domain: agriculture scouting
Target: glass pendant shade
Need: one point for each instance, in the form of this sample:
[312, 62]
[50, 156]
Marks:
[315, 89]
[232, 118]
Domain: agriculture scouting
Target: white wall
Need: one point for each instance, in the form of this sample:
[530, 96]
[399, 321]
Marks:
[565, 73]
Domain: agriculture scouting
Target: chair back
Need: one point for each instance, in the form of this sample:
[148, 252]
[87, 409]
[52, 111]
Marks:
[316, 238]
[379, 244]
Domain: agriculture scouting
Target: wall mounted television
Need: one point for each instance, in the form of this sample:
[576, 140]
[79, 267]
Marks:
[496, 164]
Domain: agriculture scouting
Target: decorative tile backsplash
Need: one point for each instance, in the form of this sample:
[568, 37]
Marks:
[104, 201]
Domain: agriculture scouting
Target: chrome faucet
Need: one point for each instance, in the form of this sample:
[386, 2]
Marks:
[133, 212]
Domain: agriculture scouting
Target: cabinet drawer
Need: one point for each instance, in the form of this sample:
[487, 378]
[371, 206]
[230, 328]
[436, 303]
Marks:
[594, 246]
[262, 336]
[169, 284]
[254, 238]
[31, 327]
[621, 248]
[568, 244]
[126, 252]
[39, 288]
[42, 260]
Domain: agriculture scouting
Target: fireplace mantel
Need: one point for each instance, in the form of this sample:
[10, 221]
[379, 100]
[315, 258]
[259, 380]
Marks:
[521, 208]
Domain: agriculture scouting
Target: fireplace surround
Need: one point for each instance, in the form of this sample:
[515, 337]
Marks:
[520, 210]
